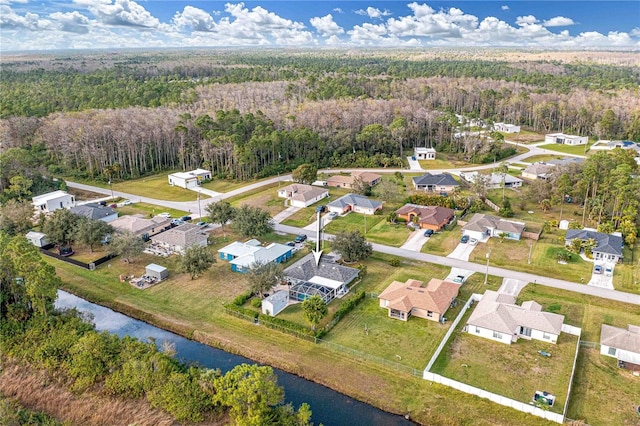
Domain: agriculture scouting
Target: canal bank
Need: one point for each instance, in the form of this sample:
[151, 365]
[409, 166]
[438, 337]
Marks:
[329, 407]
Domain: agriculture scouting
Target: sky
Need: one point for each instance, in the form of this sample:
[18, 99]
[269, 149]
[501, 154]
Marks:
[117, 24]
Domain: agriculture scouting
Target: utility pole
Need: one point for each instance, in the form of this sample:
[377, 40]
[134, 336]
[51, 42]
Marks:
[530, 250]
[111, 187]
[199, 209]
[486, 274]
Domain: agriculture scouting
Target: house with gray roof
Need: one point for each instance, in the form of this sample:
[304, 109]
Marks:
[484, 225]
[622, 344]
[497, 317]
[608, 248]
[354, 203]
[95, 211]
[326, 279]
[495, 180]
[182, 237]
[141, 226]
[243, 256]
[300, 195]
[442, 182]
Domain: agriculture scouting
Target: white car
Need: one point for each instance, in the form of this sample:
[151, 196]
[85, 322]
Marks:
[166, 215]
[473, 242]
[459, 279]
[608, 271]
[127, 202]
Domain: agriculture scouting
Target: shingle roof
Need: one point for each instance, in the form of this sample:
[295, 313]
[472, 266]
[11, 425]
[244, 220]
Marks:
[138, 224]
[305, 269]
[184, 236]
[481, 222]
[93, 211]
[303, 192]
[538, 169]
[435, 297]
[611, 244]
[434, 215]
[620, 338]
[368, 177]
[499, 312]
[441, 179]
[355, 200]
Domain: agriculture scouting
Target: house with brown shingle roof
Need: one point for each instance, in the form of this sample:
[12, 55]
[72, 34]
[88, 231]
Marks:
[538, 171]
[342, 181]
[300, 195]
[484, 225]
[180, 238]
[428, 217]
[404, 300]
[141, 226]
[497, 317]
[622, 344]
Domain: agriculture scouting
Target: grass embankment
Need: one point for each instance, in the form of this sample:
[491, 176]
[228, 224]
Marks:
[542, 158]
[568, 149]
[194, 308]
[38, 392]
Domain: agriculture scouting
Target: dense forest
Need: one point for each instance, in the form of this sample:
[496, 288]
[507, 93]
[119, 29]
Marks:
[102, 366]
[253, 114]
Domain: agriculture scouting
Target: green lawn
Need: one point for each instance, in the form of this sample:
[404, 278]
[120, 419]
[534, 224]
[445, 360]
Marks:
[378, 230]
[444, 242]
[265, 197]
[149, 210]
[568, 149]
[224, 185]
[156, 186]
[515, 371]
[542, 157]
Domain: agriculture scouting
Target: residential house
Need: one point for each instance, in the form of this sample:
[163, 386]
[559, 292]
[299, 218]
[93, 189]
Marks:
[38, 239]
[326, 279]
[497, 317]
[442, 183]
[484, 225]
[243, 256]
[95, 211]
[538, 171]
[182, 237]
[608, 247]
[506, 128]
[52, 201]
[422, 153]
[427, 217]
[191, 179]
[355, 203]
[622, 344]
[561, 138]
[141, 226]
[495, 180]
[341, 181]
[404, 300]
[275, 303]
[300, 195]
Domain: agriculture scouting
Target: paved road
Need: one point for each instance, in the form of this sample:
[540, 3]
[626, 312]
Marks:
[475, 267]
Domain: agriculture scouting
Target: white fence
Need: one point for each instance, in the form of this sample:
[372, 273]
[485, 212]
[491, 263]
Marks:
[498, 399]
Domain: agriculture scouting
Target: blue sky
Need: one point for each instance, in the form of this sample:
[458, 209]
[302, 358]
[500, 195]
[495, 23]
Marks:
[81, 24]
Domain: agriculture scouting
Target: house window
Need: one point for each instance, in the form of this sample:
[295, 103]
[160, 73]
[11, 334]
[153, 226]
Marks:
[478, 330]
[497, 335]
[546, 336]
[429, 314]
[612, 351]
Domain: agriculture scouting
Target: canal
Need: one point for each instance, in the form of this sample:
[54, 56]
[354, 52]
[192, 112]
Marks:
[329, 407]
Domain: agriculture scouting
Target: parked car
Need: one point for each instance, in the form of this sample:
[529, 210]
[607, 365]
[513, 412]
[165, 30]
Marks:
[127, 202]
[202, 224]
[333, 215]
[291, 244]
[185, 218]
[413, 157]
[428, 232]
[464, 239]
[301, 238]
[177, 222]
[113, 206]
[65, 251]
[459, 279]
[473, 241]
[103, 203]
[608, 271]
[597, 269]
[165, 214]
[321, 209]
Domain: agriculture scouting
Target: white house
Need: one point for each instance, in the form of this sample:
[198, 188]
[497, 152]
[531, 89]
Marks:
[190, 179]
[506, 128]
[497, 317]
[355, 203]
[484, 225]
[52, 201]
[495, 180]
[561, 138]
[300, 195]
[422, 153]
[622, 344]
[38, 239]
[242, 256]
[275, 303]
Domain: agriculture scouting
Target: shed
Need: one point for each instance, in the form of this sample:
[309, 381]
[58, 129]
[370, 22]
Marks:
[38, 239]
[275, 303]
[156, 271]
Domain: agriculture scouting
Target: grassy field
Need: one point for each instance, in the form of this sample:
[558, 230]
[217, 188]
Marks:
[515, 371]
[542, 157]
[156, 186]
[149, 210]
[224, 185]
[265, 197]
[525, 136]
[568, 149]
[442, 243]
[378, 230]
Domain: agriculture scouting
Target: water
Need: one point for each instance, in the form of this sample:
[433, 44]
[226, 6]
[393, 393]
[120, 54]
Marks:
[329, 407]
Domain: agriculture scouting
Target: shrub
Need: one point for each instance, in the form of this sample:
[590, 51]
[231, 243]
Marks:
[348, 305]
[242, 298]
[395, 262]
[256, 302]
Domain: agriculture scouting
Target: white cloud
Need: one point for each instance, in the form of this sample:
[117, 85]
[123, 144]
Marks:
[558, 21]
[635, 32]
[194, 19]
[125, 13]
[9, 19]
[373, 12]
[337, 10]
[526, 20]
[326, 26]
[505, 7]
[72, 22]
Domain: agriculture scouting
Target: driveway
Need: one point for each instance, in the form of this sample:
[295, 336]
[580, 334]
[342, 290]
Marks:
[285, 214]
[511, 286]
[462, 252]
[413, 164]
[602, 280]
[415, 241]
